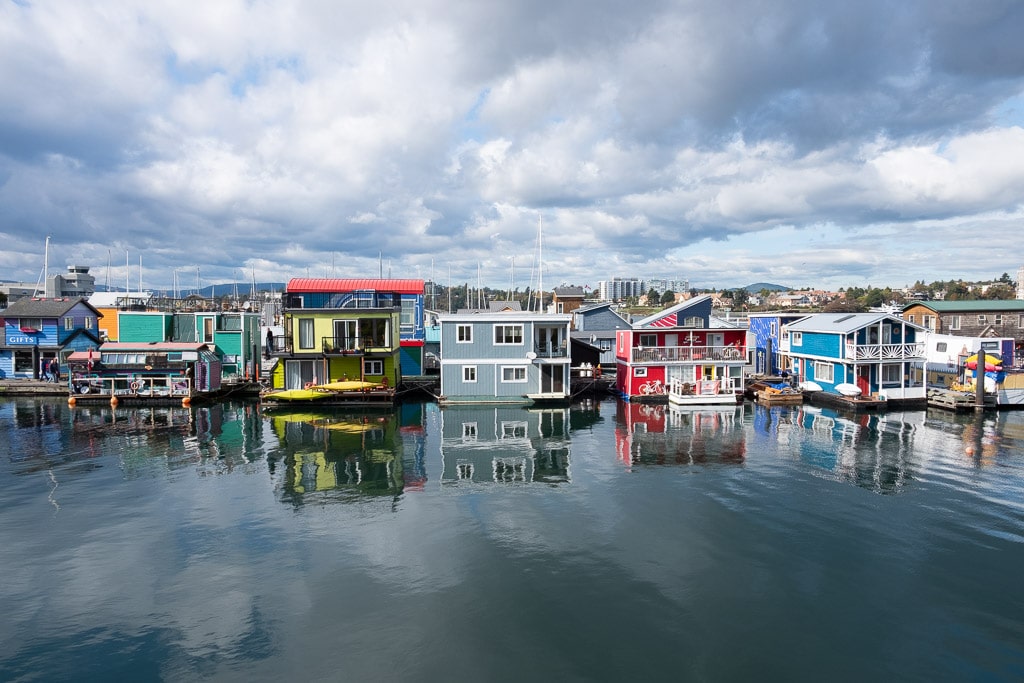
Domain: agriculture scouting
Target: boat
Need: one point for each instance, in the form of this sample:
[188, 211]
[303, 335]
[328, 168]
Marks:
[348, 385]
[847, 389]
[296, 395]
[779, 394]
[808, 386]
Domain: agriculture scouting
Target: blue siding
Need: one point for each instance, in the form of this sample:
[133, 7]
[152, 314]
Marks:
[823, 344]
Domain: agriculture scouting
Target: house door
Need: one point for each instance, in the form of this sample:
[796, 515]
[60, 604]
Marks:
[552, 379]
[864, 380]
[716, 339]
[345, 335]
[298, 373]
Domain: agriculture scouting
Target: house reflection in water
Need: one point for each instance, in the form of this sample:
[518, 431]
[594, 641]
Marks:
[504, 444]
[345, 456]
[659, 434]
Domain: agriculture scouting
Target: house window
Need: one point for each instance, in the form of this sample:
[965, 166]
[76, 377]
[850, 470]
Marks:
[823, 372]
[693, 321]
[464, 470]
[940, 347]
[305, 333]
[561, 307]
[469, 430]
[773, 328]
[1020, 321]
[508, 334]
[954, 322]
[891, 374]
[648, 340]
[89, 323]
[373, 333]
[910, 318]
[408, 314]
[469, 373]
[606, 344]
[514, 373]
[373, 367]
[31, 324]
[798, 339]
[208, 330]
[982, 320]
[997, 319]
[928, 321]
[464, 334]
[640, 372]
[69, 323]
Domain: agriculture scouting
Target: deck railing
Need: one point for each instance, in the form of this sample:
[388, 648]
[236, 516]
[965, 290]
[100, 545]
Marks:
[687, 354]
[884, 351]
[551, 350]
[722, 385]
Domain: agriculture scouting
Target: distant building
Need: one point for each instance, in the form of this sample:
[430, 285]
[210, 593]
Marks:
[74, 284]
[662, 285]
[566, 299]
[620, 288]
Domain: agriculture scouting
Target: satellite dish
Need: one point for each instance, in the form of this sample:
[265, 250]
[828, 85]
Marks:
[530, 355]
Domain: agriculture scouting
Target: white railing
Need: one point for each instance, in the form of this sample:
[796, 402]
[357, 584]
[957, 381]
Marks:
[687, 354]
[884, 351]
[705, 387]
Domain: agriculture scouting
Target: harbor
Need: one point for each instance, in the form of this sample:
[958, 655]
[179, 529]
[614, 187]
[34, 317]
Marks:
[218, 541]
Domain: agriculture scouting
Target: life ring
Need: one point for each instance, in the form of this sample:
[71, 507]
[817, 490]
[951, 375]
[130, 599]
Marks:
[135, 386]
[84, 389]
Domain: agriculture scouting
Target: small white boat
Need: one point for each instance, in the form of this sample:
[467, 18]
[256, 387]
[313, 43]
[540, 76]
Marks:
[809, 386]
[847, 389]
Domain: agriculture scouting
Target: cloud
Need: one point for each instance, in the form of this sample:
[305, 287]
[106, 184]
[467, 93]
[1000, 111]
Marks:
[289, 134]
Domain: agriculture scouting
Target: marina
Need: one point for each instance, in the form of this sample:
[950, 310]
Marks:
[218, 541]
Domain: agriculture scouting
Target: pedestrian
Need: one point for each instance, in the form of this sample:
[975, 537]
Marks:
[270, 341]
[44, 372]
[55, 370]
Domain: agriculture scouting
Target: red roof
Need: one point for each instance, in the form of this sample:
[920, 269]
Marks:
[337, 285]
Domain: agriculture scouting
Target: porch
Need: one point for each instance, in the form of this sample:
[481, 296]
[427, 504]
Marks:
[687, 354]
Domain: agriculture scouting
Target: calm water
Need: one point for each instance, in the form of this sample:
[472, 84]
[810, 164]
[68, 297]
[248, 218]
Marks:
[603, 542]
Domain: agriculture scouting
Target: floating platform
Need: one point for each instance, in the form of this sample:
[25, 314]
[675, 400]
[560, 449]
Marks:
[957, 401]
[771, 396]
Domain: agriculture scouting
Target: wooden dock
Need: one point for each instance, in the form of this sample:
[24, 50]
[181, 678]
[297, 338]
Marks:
[957, 401]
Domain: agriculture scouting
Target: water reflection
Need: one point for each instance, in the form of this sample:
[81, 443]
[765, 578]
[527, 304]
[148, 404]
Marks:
[672, 435]
[876, 451]
[506, 444]
[345, 455]
[48, 434]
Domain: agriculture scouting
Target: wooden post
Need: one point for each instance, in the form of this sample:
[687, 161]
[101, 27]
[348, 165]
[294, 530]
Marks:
[979, 381]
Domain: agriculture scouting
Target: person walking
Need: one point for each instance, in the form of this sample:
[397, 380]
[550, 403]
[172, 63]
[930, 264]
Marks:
[55, 370]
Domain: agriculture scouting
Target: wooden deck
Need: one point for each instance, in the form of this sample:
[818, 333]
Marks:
[957, 401]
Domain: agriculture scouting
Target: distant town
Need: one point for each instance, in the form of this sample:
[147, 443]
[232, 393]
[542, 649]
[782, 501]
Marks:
[636, 295]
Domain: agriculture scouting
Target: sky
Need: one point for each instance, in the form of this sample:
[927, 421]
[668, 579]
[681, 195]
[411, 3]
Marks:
[800, 142]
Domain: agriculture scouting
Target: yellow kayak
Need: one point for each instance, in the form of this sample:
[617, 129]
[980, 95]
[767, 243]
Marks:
[296, 395]
[347, 385]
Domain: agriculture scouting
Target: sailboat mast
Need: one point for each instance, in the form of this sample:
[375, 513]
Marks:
[540, 263]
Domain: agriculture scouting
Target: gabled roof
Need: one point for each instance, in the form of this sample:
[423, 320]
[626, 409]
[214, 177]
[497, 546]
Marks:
[337, 285]
[564, 292]
[670, 316]
[980, 305]
[843, 323]
[30, 307]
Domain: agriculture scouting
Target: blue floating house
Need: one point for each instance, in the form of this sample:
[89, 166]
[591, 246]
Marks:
[883, 355]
